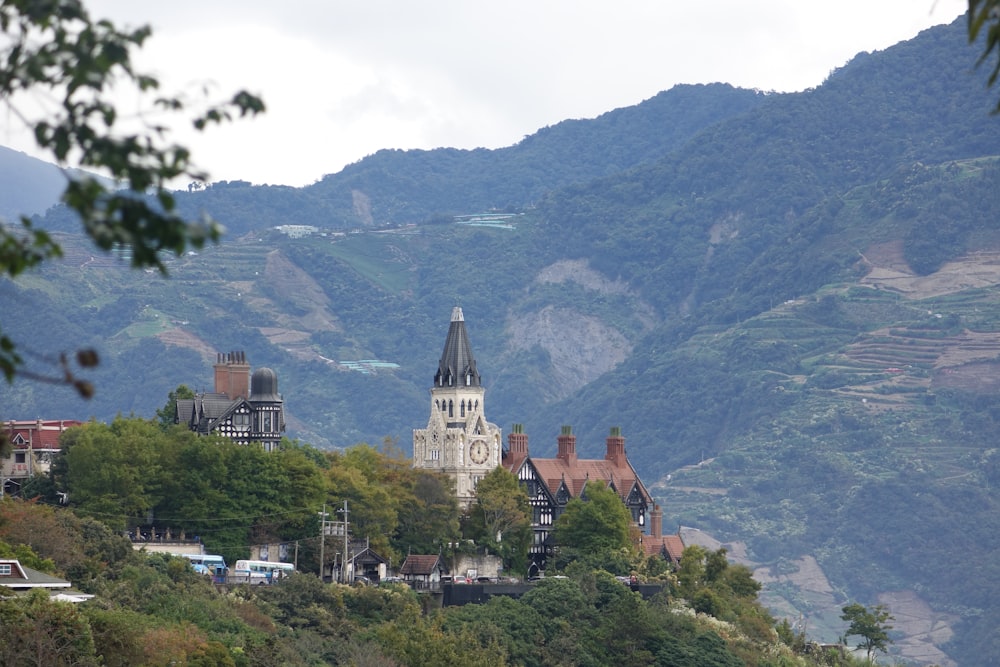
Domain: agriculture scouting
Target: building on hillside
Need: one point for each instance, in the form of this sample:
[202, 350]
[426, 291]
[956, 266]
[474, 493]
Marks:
[245, 408]
[552, 483]
[458, 440]
[20, 579]
[35, 444]
[423, 570]
[668, 547]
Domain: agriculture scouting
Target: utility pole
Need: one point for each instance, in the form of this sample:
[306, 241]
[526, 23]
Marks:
[343, 561]
[322, 541]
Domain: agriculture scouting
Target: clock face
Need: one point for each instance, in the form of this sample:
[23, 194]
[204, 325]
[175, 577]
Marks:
[479, 452]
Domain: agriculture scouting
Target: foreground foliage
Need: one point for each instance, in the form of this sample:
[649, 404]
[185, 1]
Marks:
[154, 610]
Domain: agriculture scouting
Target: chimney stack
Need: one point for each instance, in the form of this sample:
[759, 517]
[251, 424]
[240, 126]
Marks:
[567, 446]
[656, 523]
[232, 375]
[517, 441]
[616, 447]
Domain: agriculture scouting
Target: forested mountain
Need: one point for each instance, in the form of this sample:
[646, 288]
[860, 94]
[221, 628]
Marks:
[29, 186]
[787, 302]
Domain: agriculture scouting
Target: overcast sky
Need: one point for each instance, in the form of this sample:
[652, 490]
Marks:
[344, 78]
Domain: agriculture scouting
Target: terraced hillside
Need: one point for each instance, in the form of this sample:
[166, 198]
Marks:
[867, 374]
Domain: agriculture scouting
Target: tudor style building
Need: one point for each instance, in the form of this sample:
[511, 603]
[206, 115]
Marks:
[458, 440]
[245, 408]
[552, 483]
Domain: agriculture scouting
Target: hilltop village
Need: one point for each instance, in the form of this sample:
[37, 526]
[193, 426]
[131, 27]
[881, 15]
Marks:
[507, 526]
[458, 443]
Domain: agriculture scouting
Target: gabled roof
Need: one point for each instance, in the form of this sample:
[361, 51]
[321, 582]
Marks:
[670, 547]
[22, 578]
[228, 412]
[202, 412]
[457, 366]
[36, 434]
[420, 565]
[576, 474]
[367, 555]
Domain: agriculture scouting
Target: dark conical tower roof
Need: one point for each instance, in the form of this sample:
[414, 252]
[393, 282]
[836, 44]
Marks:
[457, 366]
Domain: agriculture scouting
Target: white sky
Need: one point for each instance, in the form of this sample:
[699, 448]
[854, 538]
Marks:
[344, 78]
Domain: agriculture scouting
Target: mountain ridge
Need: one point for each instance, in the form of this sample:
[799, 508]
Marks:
[759, 291]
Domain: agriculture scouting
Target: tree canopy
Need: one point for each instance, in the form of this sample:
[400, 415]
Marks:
[870, 625]
[500, 517]
[595, 527]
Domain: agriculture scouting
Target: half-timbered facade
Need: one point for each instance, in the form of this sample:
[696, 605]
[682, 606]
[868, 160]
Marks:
[244, 408]
[458, 440]
[552, 483]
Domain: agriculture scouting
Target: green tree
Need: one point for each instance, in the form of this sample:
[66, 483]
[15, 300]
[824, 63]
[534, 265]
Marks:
[428, 513]
[112, 469]
[871, 624]
[54, 48]
[38, 631]
[168, 412]
[501, 516]
[594, 527]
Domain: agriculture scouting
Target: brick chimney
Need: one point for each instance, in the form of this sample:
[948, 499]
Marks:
[232, 375]
[517, 441]
[656, 523]
[616, 447]
[567, 446]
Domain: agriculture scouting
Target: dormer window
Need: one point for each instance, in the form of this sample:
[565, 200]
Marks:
[241, 421]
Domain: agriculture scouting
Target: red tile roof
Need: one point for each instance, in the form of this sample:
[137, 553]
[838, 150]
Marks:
[36, 434]
[420, 565]
[671, 545]
[577, 473]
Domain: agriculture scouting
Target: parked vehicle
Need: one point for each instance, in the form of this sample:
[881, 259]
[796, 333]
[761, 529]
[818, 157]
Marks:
[260, 571]
[211, 565]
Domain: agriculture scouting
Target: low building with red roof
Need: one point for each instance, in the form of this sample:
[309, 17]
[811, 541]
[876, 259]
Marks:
[422, 570]
[34, 444]
[668, 547]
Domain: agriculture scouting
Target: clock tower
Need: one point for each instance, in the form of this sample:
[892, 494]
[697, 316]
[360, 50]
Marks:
[458, 440]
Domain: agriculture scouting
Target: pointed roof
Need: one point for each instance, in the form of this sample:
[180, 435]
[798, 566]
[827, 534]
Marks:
[670, 547]
[566, 477]
[457, 366]
[37, 433]
[421, 565]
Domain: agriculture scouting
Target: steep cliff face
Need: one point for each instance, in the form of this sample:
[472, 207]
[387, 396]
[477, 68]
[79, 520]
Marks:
[580, 342]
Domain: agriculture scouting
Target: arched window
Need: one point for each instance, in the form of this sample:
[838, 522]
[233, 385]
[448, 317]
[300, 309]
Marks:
[451, 409]
[462, 413]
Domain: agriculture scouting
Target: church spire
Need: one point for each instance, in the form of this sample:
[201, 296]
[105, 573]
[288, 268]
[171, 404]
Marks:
[457, 366]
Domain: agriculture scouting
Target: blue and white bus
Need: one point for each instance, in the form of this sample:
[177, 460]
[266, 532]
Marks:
[209, 564]
[260, 571]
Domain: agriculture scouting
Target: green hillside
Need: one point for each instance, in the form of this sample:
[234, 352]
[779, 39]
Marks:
[787, 302]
